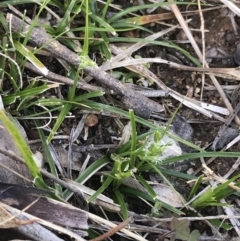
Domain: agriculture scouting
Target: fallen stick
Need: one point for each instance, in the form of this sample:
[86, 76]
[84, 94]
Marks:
[141, 105]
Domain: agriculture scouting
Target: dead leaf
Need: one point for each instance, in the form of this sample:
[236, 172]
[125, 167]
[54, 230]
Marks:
[168, 195]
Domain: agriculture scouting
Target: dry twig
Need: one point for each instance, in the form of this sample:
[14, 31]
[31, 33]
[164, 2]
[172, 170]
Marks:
[112, 231]
[141, 105]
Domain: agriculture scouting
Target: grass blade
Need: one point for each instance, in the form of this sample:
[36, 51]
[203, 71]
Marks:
[36, 62]
[120, 200]
[22, 146]
[104, 186]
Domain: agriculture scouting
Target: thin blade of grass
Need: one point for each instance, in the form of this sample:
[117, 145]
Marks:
[135, 9]
[147, 186]
[103, 46]
[67, 107]
[195, 188]
[66, 18]
[206, 196]
[28, 92]
[103, 24]
[223, 190]
[175, 173]
[133, 139]
[134, 192]
[26, 53]
[120, 200]
[104, 186]
[17, 2]
[90, 95]
[122, 27]
[166, 181]
[22, 147]
[86, 34]
[220, 224]
[49, 158]
[89, 172]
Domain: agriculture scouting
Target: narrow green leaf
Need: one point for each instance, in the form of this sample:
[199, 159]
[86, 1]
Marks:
[220, 224]
[90, 95]
[103, 23]
[121, 202]
[195, 187]
[86, 31]
[133, 139]
[135, 9]
[50, 160]
[59, 121]
[17, 2]
[161, 43]
[105, 8]
[3, 21]
[207, 196]
[21, 145]
[31, 93]
[147, 186]
[7, 100]
[213, 203]
[177, 174]
[104, 186]
[123, 27]
[66, 18]
[223, 190]
[104, 46]
[26, 53]
[89, 172]
[137, 193]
